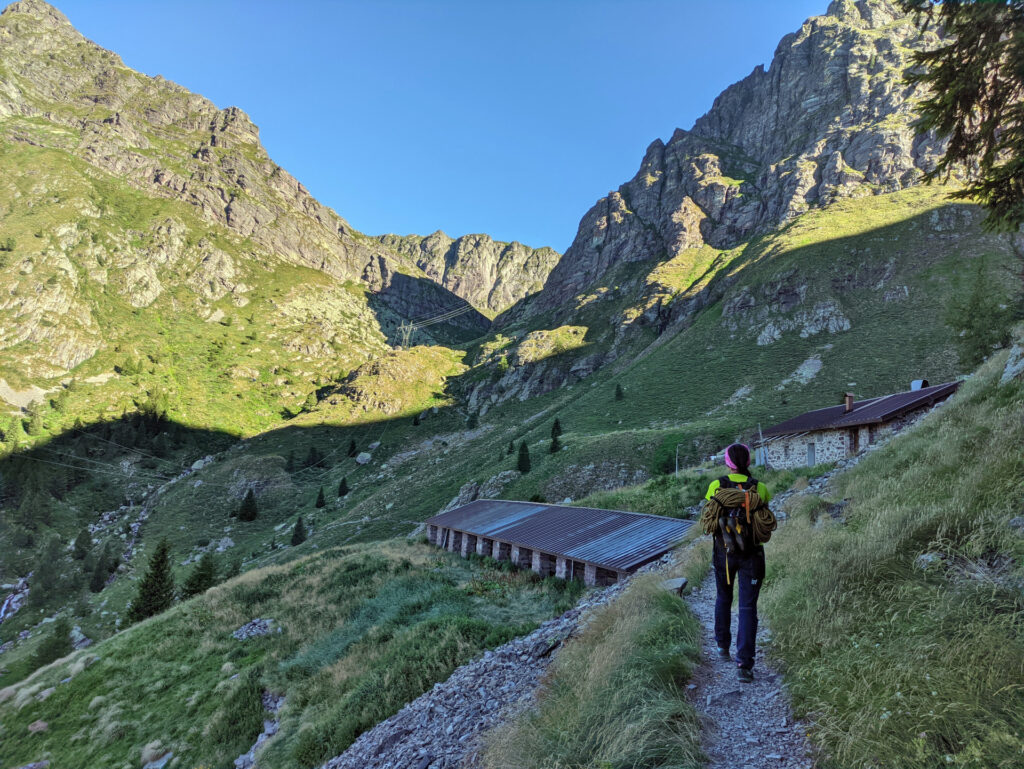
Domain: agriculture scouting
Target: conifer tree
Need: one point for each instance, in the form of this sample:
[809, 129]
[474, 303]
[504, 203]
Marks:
[619, 395]
[83, 543]
[321, 501]
[523, 465]
[156, 589]
[343, 487]
[248, 509]
[289, 463]
[556, 445]
[511, 448]
[299, 532]
[202, 578]
[234, 569]
[46, 575]
[55, 645]
[34, 426]
[473, 421]
[352, 451]
[416, 421]
[98, 578]
[556, 428]
[313, 458]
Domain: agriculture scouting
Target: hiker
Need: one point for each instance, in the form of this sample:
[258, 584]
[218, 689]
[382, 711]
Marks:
[736, 513]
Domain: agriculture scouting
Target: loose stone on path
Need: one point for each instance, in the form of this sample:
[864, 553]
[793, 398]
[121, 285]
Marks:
[749, 726]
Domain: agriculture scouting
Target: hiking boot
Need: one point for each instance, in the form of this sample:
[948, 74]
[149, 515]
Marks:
[724, 653]
[745, 675]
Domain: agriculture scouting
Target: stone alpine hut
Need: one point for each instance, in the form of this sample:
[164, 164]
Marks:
[836, 432]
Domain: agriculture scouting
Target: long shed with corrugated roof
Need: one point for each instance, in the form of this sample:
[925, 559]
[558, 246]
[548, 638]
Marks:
[598, 546]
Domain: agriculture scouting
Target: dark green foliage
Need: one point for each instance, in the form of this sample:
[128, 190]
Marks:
[343, 487]
[8, 244]
[416, 420]
[556, 445]
[289, 463]
[83, 543]
[34, 424]
[321, 501]
[310, 402]
[313, 457]
[46, 577]
[248, 510]
[978, 321]
[299, 531]
[56, 645]
[523, 465]
[233, 569]
[156, 589]
[202, 578]
[352, 450]
[98, 577]
[975, 80]
[511, 448]
[556, 428]
[619, 394]
[473, 421]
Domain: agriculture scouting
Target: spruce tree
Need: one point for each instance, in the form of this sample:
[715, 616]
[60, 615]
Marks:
[556, 445]
[156, 589]
[313, 458]
[343, 487]
[98, 578]
[248, 510]
[233, 570]
[299, 532]
[511, 448]
[619, 395]
[46, 577]
[289, 463]
[202, 578]
[556, 428]
[321, 501]
[523, 465]
[416, 421]
[473, 421]
[83, 543]
[55, 645]
[352, 451]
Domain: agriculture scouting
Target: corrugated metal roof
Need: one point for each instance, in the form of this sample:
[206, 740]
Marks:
[611, 539]
[865, 412]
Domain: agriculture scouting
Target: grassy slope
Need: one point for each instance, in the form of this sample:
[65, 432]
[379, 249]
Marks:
[896, 667]
[365, 629]
[899, 666]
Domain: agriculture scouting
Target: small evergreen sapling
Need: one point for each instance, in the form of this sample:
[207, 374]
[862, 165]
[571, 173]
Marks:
[55, 645]
[98, 578]
[321, 501]
[299, 532]
[156, 589]
[556, 428]
[248, 510]
[202, 578]
[352, 451]
[619, 395]
[523, 465]
[343, 487]
[556, 445]
[511, 448]
[83, 542]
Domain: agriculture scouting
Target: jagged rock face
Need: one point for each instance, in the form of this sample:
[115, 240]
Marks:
[830, 118]
[162, 139]
[489, 274]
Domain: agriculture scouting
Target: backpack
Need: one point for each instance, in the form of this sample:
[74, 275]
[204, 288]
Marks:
[735, 530]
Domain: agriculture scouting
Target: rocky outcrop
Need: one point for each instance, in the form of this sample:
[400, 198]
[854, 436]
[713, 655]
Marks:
[489, 274]
[831, 117]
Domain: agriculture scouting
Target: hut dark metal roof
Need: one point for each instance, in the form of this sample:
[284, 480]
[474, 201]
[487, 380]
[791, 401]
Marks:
[611, 539]
[865, 412]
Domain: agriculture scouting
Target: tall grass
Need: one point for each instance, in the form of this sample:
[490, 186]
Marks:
[614, 697]
[897, 665]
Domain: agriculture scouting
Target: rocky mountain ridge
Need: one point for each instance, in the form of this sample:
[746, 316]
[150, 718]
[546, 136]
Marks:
[830, 118]
[490, 274]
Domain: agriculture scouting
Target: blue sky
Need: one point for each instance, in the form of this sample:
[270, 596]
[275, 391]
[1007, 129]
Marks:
[510, 118]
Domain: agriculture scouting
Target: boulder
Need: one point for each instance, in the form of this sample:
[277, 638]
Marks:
[363, 458]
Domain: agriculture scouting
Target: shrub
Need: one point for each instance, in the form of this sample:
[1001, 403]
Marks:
[299, 531]
[56, 645]
[248, 510]
[523, 465]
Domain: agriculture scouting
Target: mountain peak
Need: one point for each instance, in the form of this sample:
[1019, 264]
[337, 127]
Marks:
[40, 10]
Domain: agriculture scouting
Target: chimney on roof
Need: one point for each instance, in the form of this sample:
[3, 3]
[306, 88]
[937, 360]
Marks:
[847, 403]
[918, 384]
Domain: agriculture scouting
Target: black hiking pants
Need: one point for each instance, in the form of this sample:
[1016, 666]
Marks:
[748, 573]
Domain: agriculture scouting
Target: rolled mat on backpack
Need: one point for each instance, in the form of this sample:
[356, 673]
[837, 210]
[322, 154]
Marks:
[761, 518]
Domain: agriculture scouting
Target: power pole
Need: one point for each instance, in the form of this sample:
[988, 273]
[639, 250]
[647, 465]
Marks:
[406, 330]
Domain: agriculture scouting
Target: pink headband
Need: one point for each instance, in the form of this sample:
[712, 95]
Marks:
[728, 460]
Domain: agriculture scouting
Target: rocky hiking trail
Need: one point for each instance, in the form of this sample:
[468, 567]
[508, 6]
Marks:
[744, 726]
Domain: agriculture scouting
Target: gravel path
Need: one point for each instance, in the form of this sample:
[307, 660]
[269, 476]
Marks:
[746, 726]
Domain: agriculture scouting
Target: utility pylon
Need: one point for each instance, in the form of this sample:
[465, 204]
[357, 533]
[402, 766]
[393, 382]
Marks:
[406, 330]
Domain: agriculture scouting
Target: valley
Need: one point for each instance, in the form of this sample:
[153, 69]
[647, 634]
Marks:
[197, 354]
